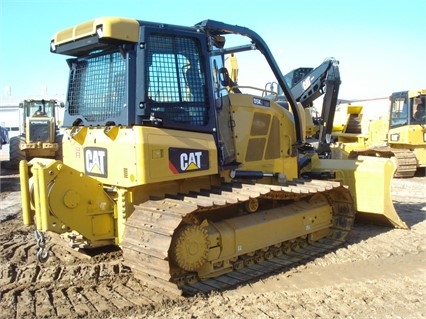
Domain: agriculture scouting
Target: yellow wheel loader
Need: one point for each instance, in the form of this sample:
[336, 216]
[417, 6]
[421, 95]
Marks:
[40, 135]
[399, 134]
[198, 183]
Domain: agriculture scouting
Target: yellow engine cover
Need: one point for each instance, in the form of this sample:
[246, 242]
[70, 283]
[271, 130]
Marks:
[129, 157]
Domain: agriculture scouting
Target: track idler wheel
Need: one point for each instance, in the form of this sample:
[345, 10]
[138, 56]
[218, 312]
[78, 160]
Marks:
[189, 247]
[252, 205]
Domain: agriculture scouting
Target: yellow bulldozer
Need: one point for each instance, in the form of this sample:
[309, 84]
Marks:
[399, 133]
[200, 184]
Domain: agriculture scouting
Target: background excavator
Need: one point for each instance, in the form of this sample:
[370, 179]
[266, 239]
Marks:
[308, 84]
[200, 184]
[399, 133]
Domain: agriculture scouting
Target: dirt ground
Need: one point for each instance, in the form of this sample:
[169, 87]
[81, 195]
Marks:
[379, 273]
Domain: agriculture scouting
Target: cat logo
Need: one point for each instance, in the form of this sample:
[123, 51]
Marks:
[182, 160]
[95, 161]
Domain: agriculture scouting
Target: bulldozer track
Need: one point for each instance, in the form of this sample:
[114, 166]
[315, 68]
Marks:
[150, 229]
[261, 269]
[406, 163]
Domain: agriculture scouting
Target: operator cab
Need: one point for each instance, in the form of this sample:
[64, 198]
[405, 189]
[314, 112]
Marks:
[419, 113]
[38, 108]
[407, 110]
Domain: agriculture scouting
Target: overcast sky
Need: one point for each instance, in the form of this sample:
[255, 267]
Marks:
[380, 44]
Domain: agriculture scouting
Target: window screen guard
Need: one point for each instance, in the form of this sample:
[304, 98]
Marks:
[97, 87]
[175, 77]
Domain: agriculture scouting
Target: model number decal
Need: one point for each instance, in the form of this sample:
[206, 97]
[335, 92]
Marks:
[183, 160]
[261, 102]
[95, 161]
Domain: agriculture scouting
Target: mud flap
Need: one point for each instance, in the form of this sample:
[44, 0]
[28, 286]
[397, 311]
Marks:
[369, 180]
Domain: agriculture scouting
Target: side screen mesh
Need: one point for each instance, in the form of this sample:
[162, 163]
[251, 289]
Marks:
[176, 79]
[97, 87]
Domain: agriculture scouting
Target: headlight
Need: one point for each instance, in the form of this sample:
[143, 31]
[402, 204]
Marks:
[52, 46]
[394, 137]
[100, 31]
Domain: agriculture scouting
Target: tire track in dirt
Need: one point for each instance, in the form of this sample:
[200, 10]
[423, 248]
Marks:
[65, 286]
[379, 273]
